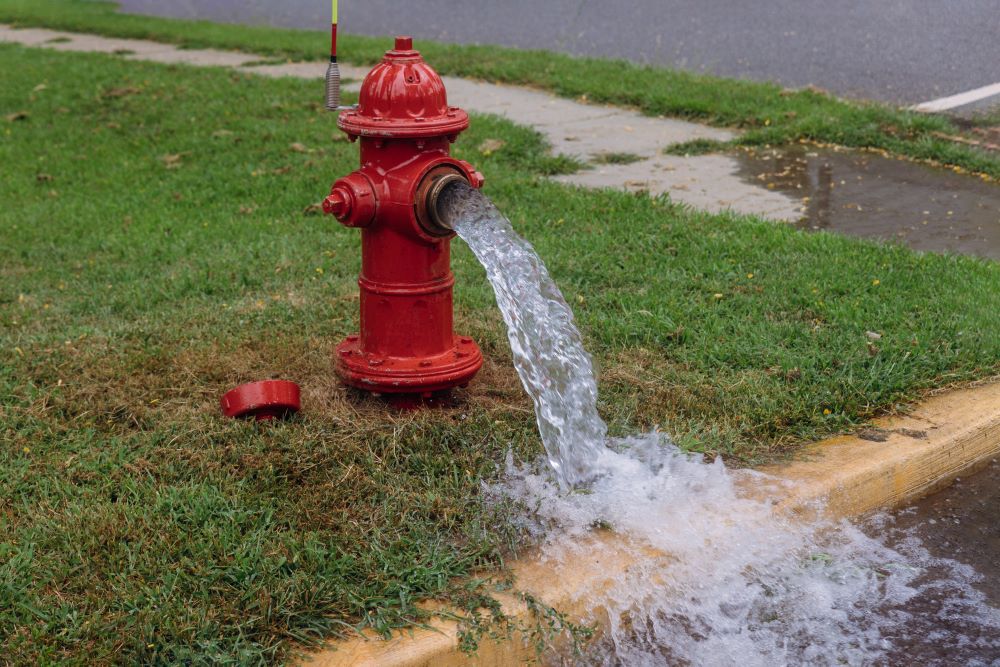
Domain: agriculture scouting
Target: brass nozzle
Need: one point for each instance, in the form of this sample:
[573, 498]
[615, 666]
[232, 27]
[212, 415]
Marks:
[428, 199]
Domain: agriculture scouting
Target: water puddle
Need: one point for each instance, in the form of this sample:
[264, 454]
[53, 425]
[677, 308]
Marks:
[868, 195]
[717, 575]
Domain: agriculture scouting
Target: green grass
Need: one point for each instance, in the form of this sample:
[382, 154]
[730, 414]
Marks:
[989, 117]
[769, 114]
[616, 158]
[158, 251]
[696, 147]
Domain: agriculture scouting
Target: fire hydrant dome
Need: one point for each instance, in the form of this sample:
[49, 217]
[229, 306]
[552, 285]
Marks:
[403, 97]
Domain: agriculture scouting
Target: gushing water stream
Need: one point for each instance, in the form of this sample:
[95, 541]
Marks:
[737, 582]
[548, 352]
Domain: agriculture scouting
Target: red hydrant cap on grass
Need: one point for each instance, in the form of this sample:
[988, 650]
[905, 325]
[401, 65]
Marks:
[403, 97]
[268, 399]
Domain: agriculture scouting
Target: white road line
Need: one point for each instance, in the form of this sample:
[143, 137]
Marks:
[959, 100]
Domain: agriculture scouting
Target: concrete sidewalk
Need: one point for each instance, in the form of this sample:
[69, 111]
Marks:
[584, 131]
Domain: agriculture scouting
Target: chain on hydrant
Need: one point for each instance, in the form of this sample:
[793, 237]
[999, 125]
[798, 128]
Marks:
[406, 343]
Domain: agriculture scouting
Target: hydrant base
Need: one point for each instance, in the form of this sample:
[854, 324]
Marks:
[408, 375]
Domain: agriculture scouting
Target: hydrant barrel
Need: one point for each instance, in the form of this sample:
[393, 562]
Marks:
[406, 342]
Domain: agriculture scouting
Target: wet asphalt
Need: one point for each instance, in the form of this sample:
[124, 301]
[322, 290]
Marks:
[961, 523]
[899, 51]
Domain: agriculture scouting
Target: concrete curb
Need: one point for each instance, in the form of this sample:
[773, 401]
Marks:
[898, 461]
[582, 131]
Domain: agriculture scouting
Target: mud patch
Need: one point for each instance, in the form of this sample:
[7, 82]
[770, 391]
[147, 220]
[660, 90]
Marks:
[874, 434]
[881, 434]
[868, 195]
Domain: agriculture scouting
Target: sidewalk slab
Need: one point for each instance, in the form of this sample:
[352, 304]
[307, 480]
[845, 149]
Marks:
[577, 129]
[707, 182]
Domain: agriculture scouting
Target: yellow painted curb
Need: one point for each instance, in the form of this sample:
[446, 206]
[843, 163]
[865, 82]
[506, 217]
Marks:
[949, 435]
[897, 461]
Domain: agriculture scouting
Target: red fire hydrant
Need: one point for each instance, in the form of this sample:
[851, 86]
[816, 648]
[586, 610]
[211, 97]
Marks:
[406, 343]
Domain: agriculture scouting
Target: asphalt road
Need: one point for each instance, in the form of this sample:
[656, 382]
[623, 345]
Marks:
[901, 51]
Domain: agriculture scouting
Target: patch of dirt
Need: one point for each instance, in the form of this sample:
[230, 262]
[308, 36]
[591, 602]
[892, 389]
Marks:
[124, 91]
[123, 387]
[882, 435]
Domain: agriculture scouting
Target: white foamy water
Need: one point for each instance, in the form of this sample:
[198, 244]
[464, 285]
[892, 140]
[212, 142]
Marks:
[717, 575]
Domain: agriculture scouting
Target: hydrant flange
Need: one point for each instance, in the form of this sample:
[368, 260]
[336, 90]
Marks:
[408, 375]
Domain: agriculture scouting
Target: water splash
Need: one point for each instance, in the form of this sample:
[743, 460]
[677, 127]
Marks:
[736, 581]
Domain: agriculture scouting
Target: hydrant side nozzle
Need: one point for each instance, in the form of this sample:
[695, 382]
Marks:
[352, 201]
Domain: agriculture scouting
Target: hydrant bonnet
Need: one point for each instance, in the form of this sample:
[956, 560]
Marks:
[403, 97]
